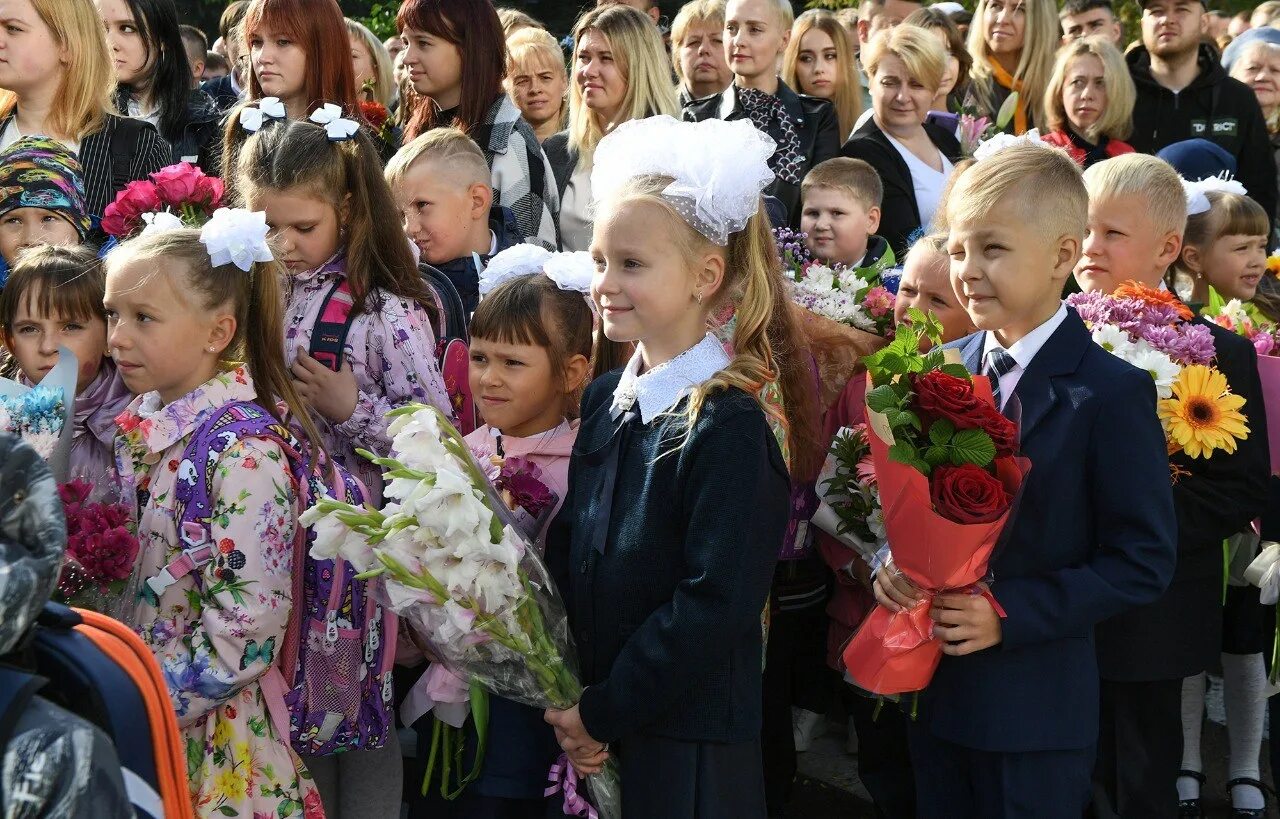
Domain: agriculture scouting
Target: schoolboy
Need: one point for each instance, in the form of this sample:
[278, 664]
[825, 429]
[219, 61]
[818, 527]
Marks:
[840, 212]
[441, 182]
[1137, 213]
[1007, 727]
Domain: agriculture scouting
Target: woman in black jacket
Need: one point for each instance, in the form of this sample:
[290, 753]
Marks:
[914, 158]
[155, 79]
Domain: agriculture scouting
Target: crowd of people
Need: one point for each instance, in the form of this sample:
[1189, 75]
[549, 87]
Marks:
[383, 200]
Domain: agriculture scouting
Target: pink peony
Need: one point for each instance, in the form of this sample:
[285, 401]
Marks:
[1264, 343]
[105, 555]
[176, 184]
[523, 479]
[123, 216]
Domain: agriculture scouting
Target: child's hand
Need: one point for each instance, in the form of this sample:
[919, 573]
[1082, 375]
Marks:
[587, 755]
[893, 590]
[965, 623]
[332, 394]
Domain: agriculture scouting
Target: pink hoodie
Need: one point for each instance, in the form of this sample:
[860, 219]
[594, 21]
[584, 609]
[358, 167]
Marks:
[550, 451]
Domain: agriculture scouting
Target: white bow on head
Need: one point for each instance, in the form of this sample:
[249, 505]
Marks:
[512, 263]
[1198, 192]
[335, 125]
[998, 142]
[268, 109]
[236, 236]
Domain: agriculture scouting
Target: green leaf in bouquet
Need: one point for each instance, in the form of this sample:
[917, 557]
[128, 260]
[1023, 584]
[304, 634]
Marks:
[972, 446]
[956, 370]
[883, 399]
[941, 432]
[910, 419]
[936, 456]
[1007, 110]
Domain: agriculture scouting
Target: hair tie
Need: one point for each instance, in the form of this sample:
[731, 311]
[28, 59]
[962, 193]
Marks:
[337, 127]
[237, 236]
[269, 109]
[1197, 192]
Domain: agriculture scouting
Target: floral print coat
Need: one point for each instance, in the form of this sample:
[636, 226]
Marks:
[216, 631]
[391, 347]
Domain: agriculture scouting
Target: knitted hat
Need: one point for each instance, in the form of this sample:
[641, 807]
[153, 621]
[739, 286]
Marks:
[38, 172]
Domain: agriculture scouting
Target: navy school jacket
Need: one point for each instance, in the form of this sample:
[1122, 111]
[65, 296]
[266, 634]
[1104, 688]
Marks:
[1094, 535]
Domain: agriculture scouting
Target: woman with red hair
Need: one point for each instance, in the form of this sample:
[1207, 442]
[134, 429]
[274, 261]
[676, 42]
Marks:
[456, 58]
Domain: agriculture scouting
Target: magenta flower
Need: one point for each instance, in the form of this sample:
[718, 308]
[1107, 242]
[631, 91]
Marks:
[522, 478]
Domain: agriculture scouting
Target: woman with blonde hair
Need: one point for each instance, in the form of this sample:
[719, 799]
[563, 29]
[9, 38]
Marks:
[620, 73]
[371, 62]
[1089, 102]
[697, 51]
[820, 63]
[58, 83]
[1012, 43]
[537, 81]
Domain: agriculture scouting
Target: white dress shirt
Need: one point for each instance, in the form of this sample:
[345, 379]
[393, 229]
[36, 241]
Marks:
[1022, 351]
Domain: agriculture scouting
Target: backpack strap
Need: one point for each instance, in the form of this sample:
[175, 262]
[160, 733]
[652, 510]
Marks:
[233, 423]
[17, 688]
[125, 147]
[329, 336]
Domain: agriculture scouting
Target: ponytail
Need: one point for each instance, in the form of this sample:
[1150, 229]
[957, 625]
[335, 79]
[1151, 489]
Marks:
[255, 300]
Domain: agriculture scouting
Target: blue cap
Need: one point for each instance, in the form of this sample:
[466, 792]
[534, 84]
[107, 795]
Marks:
[1196, 159]
[1236, 47]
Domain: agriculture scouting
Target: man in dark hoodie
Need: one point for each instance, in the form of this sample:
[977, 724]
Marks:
[1183, 93]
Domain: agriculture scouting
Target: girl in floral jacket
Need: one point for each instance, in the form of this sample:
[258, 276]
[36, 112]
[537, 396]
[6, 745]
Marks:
[175, 317]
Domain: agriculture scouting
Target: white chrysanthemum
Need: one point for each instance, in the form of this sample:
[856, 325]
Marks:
[820, 278]
[1162, 369]
[1112, 339]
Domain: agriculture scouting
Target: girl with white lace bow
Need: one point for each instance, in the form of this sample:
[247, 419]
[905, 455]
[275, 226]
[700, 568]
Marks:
[678, 493]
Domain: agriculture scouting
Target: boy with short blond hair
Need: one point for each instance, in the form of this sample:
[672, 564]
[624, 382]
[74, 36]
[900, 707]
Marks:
[1137, 213]
[1007, 726]
[442, 184]
[840, 213]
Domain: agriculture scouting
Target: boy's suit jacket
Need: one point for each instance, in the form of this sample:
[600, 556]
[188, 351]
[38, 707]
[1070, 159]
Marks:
[819, 136]
[1094, 535]
[1180, 634]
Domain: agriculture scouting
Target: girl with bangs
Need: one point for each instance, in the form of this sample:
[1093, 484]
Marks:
[1012, 43]
[1089, 102]
[57, 83]
[455, 58]
[620, 73]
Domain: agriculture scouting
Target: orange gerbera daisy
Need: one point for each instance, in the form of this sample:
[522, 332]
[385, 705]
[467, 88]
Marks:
[1134, 290]
[1273, 265]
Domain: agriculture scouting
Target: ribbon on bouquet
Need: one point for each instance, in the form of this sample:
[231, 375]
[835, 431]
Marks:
[564, 779]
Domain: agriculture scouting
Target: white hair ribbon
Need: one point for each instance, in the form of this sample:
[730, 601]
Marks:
[269, 109]
[335, 125]
[1197, 192]
[988, 148]
[236, 236]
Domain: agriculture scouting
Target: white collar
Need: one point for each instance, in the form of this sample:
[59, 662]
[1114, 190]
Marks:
[728, 101]
[493, 243]
[661, 388]
[1025, 348]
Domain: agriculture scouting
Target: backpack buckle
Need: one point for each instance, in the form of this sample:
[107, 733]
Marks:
[181, 566]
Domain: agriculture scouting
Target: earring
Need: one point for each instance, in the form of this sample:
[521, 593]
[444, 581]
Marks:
[698, 297]
[213, 349]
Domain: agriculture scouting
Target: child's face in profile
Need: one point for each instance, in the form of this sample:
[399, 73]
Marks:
[440, 214]
[836, 225]
[34, 338]
[926, 286]
[1006, 274]
[515, 387]
[1122, 243]
[22, 228]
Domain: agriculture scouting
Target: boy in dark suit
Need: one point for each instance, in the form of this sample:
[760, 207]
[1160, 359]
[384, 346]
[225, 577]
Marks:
[1008, 725]
[1137, 213]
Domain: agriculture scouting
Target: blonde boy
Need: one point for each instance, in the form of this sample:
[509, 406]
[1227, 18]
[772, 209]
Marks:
[1137, 212]
[1008, 724]
[441, 183]
[840, 212]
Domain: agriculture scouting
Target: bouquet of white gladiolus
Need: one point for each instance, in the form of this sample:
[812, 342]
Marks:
[457, 570]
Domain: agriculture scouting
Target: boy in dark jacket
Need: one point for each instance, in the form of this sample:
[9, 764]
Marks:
[1183, 93]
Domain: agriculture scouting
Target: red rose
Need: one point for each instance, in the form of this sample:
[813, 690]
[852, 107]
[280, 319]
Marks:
[208, 193]
[374, 113]
[176, 184]
[1003, 432]
[939, 395]
[967, 494]
[123, 216]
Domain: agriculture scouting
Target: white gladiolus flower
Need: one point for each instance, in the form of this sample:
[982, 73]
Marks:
[417, 441]
[330, 532]
[453, 505]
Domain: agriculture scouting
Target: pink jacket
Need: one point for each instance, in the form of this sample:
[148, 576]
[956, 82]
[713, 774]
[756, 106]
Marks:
[550, 451]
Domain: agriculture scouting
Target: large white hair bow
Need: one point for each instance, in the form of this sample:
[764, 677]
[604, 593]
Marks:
[268, 109]
[236, 236]
[512, 263]
[1197, 192]
[335, 125]
[998, 142]
[718, 169]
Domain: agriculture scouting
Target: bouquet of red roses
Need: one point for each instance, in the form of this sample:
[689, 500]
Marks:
[178, 195]
[101, 550]
[947, 470]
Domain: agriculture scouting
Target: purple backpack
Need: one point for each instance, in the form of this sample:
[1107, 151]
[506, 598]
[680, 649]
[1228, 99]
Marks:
[339, 647]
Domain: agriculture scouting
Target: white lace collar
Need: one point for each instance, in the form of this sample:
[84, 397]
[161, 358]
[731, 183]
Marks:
[661, 388]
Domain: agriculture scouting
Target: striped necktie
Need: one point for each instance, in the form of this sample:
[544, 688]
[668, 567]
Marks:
[999, 363]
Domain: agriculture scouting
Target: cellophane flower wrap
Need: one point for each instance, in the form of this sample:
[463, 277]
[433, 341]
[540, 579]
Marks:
[853, 296]
[102, 546]
[1246, 320]
[850, 510]
[948, 473]
[1152, 330]
[176, 195]
[471, 586]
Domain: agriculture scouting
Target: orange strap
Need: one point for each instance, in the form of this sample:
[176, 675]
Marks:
[118, 642]
[1019, 113]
